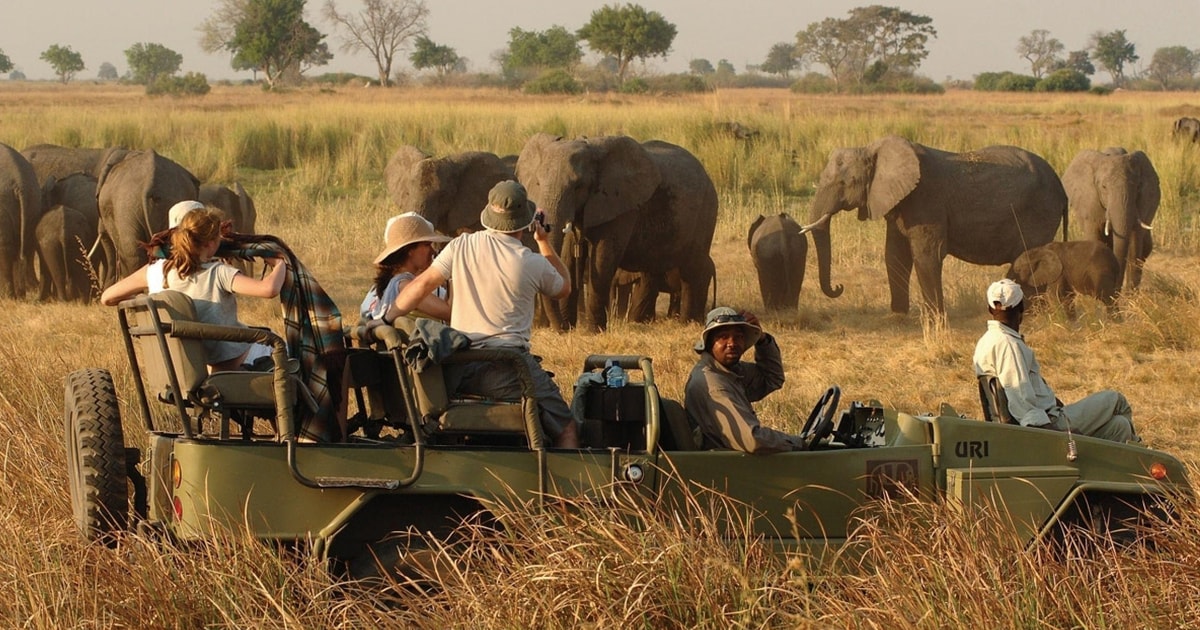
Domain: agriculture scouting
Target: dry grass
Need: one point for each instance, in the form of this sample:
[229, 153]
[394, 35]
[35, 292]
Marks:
[314, 164]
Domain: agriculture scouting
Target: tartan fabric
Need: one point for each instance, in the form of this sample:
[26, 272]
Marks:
[312, 327]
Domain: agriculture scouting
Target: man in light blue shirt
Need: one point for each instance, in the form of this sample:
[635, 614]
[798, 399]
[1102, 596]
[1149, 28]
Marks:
[1003, 353]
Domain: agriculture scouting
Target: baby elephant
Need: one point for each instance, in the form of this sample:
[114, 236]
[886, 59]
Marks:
[780, 252]
[1067, 269]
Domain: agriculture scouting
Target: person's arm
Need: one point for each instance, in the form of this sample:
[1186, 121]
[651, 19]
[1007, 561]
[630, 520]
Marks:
[721, 411]
[268, 287]
[431, 304]
[125, 288]
[547, 250]
[1016, 379]
[413, 294]
[765, 374]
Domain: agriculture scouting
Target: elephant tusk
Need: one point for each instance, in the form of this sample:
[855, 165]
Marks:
[805, 229]
[1107, 224]
[567, 228]
[1145, 226]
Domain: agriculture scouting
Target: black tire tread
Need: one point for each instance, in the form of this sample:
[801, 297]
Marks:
[96, 454]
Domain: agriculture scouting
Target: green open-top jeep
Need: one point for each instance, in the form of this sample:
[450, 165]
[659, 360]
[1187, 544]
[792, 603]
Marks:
[223, 452]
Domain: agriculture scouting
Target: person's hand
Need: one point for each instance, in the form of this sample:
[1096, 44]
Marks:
[539, 233]
[280, 260]
[750, 318]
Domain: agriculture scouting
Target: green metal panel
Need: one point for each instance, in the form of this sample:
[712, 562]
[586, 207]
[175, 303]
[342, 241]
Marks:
[1028, 494]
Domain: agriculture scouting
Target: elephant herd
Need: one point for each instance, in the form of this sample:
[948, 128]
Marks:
[82, 214]
[643, 213]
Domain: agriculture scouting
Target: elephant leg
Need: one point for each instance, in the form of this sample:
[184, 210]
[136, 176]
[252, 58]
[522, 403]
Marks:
[694, 281]
[898, 259]
[645, 299]
[928, 247]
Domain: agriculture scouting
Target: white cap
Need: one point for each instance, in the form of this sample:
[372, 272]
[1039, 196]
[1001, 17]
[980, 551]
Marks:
[180, 210]
[1004, 294]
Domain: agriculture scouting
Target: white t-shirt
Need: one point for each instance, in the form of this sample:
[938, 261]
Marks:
[211, 290]
[496, 281]
[373, 307]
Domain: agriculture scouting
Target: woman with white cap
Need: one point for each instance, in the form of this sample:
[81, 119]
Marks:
[192, 268]
[409, 250]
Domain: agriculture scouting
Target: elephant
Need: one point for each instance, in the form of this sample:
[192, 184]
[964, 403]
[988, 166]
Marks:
[1187, 128]
[984, 207]
[1065, 269]
[76, 191]
[635, 295]
[643, 207]
[50, 160]
[63, 236]
[1114, 196]
[135, 193]
[780, 252]
[450, 191]
[237, 205]
[20, 209]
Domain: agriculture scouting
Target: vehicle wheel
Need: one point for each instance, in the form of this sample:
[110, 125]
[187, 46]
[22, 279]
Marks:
[95, 455]
[1109, 521]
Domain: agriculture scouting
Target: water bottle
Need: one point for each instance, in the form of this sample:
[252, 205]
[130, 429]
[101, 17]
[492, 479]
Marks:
[614, 376]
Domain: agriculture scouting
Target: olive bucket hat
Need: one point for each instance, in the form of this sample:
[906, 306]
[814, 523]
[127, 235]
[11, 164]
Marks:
[509, 208]
[722, 317]
[404, 230]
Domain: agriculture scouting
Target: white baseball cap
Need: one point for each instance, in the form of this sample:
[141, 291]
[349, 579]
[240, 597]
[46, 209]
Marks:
[1004, 294]
[180, 210]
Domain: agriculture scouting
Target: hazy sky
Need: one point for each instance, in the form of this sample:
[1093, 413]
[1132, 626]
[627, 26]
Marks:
[973, 35]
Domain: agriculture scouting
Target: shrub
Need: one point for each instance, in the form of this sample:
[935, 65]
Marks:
[1017, 83]
[813, 83]
[678, 84]
[918, 85]
[1065, 80]
[1100, 90]
[557, 81]
[190, 84]
[636, 85]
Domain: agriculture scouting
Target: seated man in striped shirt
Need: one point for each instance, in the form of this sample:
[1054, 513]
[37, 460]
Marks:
[722, 386]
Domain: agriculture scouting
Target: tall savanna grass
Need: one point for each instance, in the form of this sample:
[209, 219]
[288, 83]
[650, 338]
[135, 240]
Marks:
[314, 162]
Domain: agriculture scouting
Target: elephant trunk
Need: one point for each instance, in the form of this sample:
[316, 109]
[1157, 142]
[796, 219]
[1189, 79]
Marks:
[821, 242]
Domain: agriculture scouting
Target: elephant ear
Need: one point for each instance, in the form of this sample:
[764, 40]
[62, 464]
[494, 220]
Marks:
[48, 191]
[753, 228]
[626, 178]
[398, 172]
[114, 158]
[471, 176]
[1149, 194]
[249, 213]
[1079, 180]
[896, 174]
[1042, 267]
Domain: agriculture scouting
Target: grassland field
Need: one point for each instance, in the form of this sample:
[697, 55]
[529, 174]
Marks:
[313, 160]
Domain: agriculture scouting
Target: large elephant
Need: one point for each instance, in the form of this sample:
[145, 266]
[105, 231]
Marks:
[645, 207]
[450, 191]
[51, 160]
[1114, 196]
[984, 207]
[20, 209]
[135, 194]
[779, 250]
[237, 205]
[63, 236]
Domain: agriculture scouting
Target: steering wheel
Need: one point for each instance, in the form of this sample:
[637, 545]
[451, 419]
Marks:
[820, 422]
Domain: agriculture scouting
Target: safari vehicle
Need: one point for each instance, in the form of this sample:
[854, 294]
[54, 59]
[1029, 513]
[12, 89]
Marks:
[222, 451]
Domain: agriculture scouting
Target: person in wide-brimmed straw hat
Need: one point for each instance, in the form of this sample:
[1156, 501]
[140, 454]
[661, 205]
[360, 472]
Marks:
[1002, 353]
[409, 249]
[721, 387]
[497, 279]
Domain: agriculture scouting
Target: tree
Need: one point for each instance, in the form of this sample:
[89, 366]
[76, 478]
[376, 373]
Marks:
[147, 62]
[1112, 51]
[382, 29]
[701, 67]
[427, 54]
[1174, 66]
[65, 61]
[781, 60]
[268, 36]
[874, 44]
[1079, 61]
[1041, 51]
[556, 47]
[108, 72]
[628, 32]
[6, 64]
[724, 74]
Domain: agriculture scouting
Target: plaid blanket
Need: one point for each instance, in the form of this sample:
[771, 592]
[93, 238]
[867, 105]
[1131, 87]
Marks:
[312, 328]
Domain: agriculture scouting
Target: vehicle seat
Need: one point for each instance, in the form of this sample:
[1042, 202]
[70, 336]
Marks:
[236, 396]
[994, 400]
[678, 433]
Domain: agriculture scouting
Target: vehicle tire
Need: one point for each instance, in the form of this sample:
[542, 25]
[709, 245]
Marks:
[1107, 521]
[95, 455]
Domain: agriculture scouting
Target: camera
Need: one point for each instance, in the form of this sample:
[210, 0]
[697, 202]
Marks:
[541, 220]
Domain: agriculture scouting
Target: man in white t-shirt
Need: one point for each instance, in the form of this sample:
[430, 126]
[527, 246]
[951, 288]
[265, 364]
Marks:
[496, 283]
